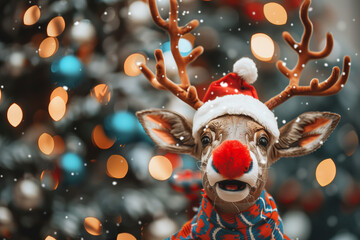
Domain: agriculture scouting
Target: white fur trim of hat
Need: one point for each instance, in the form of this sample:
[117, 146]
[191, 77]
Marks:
[238, 104]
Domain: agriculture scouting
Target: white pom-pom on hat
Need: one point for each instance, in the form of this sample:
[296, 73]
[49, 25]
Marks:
[246, 68]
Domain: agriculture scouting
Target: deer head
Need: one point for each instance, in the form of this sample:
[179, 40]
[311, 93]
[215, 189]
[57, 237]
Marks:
[233, 134]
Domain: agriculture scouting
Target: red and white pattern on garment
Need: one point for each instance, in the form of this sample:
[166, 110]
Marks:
[261, 221]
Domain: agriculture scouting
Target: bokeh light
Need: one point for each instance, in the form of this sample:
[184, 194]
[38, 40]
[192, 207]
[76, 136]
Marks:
[312, 200]
[49, 180]
[48, 47]
[56, 26]
[262, 46]
[0, 95]
[32, 15]
[170, 66]
[351, 194]
[100, 139]
[190, 37]
[125, 236]
[59, 92]
[59, 145]
[254, 10]
[101, 93]
[117, 166]
[67, 71]
[7, 224]
[297, 225]
[209, 38]
[325, 172]
[275, 13]
[139, 12]
[131, 64]
[57, 108]
[46, 143]
[289, 192]
[160, 168]
[343, 235]
[185, 46]
[27, 194]
[93, 226]
[72, 163]
[350, 143]
[122, 125]
[14, 115]
[50, 238]
[83, 31]
[162, 227]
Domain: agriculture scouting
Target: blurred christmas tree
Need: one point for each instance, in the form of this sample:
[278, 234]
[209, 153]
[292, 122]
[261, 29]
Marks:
[74, 161]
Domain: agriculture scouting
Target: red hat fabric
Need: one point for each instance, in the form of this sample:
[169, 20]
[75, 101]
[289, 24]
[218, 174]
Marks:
[233, 95]
[238, 82]
[229, 85]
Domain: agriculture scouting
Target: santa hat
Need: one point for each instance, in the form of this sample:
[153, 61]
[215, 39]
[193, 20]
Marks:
[234, 95]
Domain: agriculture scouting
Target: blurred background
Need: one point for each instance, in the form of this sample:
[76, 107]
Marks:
[76, 164]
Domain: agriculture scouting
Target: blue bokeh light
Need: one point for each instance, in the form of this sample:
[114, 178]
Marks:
[122, 125]
[185, 47]
[71, 162]
[143, 134]
[67, 71]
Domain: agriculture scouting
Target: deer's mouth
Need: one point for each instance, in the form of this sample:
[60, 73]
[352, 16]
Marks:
[232, 185]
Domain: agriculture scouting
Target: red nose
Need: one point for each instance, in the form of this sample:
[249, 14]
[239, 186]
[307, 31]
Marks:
[231, 159]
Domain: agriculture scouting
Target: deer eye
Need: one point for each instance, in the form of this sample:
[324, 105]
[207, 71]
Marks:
[263, 141]
[205, 141]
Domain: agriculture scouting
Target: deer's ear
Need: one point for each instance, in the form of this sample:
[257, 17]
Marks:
[304, 134]
[170, 131]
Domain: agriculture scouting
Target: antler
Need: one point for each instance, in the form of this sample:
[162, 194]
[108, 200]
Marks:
[184, 90]
[330, 86]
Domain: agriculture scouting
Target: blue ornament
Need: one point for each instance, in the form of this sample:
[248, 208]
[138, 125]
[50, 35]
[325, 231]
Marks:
[73, 167]
[67, 71]
[123, 126]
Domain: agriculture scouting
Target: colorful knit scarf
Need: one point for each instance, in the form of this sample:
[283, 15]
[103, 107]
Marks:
[261, 221]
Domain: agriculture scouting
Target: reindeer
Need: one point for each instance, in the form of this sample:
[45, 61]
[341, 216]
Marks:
[234, 135]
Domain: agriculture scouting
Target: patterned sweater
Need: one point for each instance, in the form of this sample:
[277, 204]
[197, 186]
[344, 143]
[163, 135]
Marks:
[261, 221]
